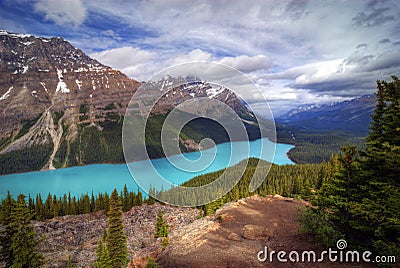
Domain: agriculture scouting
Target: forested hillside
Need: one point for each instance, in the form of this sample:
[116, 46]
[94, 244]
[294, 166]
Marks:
[361, 201]
[288, 180]
[351, 116]
[314, 146]
[318, 131]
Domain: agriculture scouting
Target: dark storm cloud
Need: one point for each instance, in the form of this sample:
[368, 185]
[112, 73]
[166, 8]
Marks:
[296, 9]
[384, 41]
[362, 45]
[387, 61]
[373, 17]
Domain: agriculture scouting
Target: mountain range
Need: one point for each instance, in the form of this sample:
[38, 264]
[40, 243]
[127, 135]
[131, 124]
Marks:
[351, 117]
[61, 108]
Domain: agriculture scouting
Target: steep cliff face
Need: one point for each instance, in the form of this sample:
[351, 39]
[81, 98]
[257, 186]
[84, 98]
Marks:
[47, 75]
[59, 107]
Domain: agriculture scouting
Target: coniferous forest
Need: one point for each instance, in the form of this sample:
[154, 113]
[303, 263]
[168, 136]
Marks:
[54, 206]
[361, 201]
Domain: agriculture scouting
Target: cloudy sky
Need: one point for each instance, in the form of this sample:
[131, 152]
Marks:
[297, 52]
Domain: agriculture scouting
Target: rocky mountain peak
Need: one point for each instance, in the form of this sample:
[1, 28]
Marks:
[41, 75]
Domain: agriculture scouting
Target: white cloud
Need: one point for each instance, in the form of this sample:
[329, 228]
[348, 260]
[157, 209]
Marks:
[317, 69]
[292, 33]
[248, 64]
[123, 57]
[62, 12]
[141, 64]
[305, 50]
[350, 76]
[194, 55]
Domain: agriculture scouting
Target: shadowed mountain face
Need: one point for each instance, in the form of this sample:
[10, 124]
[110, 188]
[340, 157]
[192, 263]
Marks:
[353, 116]
[59, 107]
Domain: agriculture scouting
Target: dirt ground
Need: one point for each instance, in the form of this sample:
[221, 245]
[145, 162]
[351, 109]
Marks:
[222, 242]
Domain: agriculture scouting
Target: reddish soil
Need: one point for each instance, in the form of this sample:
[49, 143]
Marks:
[223, 244]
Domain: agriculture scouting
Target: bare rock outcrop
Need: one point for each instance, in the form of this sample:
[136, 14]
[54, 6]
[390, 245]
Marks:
[77, 236]
[255, 232]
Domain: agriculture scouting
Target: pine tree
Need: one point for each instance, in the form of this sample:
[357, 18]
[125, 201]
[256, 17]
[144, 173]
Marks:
[6, 209]
[102, 256]
[99, 203]
[377, 215]
[92, 203]
[54, 207]
[106, 204]
[335, 197]
[74, 206]
[361, 201]
[85, 204]
[125, 199]
[48, 207]
[5, 237]
[21, 237]
[69, 210]
[31, 204]
[116, 239]
[161, 228]
[152, 193]
[139, 199]
[39, 208]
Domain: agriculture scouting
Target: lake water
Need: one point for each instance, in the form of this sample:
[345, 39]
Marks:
[100, 178]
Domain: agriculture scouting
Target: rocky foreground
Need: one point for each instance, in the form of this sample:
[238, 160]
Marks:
[232, 237]
[237, 232]
[77, 236]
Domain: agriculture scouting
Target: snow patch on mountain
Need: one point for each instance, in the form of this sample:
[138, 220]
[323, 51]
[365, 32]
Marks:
[12, 35]
[25, 69]
[7, 94]
[213, 92]
[44, 86]
[61, 86]
[78, 83]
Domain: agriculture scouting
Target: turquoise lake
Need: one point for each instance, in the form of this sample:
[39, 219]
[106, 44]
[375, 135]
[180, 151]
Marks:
[100, 178]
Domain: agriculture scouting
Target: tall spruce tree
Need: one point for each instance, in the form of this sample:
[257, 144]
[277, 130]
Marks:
[19, 241]
[5, 237]
[377, 214]
[102, 256]
[362, 199]
[335, 197]
[116, 239]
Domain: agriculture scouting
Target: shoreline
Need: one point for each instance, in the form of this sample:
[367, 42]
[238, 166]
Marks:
[101, 177]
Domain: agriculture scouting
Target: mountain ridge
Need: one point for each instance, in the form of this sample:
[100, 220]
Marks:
[351, 116]
[61, 108]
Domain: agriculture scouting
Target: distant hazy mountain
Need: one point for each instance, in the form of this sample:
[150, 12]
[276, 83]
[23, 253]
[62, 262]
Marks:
[353, 116]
